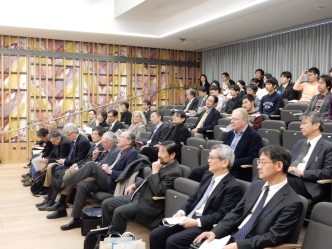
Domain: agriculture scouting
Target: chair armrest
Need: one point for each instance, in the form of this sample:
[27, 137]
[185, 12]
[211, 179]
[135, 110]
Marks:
[275, 116]
[284, 246]
[245, 166]
[157, 198]
[209, 130]
[325, 181]
[282, 129]
[281, 109]
[214, 225]
[201, 147]
[182, 143]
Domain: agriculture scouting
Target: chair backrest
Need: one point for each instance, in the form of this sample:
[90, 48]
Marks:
[150, 126]
[327, 127]
[296, 106]
[274, 136]
[327, 136]
[180, 107]
[273, 124]
[144, 135]
[167, 112]
[224, 122]
[219, 134]
[318, 234]
[210, 143]
[243, 184]
[204, 156]
[167, 119]
[265, 116]
[175, 198]
[290, 138]
[190, 156]
[288, 115]
[294, 126]
[185, 171]
[161, 107]
[265, 142]
[191, 120]
[284, 102]
[196, 142]
[126, 126]
[170, 107]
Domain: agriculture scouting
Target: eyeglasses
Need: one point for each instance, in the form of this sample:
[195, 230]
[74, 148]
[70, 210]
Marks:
[310, 74]
[263, 163]
[212, 157]
[70, 134]
[123, 137]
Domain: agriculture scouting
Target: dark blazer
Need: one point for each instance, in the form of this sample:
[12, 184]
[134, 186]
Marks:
[109, 157]
[193, 105]
[289, 93]
[159, 135]
[233, 104]
[126, 117]
[319, 166]
[274, 224]
[88, 157]
[80, 150]
[149, 211]
[210, 121]
[47, 149]
[147, 115]
[246, 150]
[128, 156]
[324, 108]
[61, 150]
[221, 201]
[118, 125]
[103, 123]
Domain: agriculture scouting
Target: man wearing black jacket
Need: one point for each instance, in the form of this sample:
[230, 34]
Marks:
[114, 123]
[286, 87]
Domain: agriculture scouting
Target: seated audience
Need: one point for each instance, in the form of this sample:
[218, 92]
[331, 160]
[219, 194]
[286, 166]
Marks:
[216, 196]
[225, 78]
[146, 105]
[252, 90]
[269, 211]
[137, 203]
[259, 74]
[235, 102]
[113, 122]
[320, 102]
[311, 160]
[217, 84]
[286, 88]
[178, 133]
[92, 118]
[309, 89]
[101, 119]
[160, 129]
[272, 102]
[255, 118]
[104, 177]
[203, 128]
[241, 84]
[215, 91]
[192, 101]
[125, 114]
[52, 126]
[226, 91]
[204, 81]
[244, 141]
[260, 92]
[202, 93]
[138, 123]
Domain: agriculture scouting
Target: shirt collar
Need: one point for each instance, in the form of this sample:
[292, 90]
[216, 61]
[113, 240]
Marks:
[275, 187]
[240, 131]
[314, 140]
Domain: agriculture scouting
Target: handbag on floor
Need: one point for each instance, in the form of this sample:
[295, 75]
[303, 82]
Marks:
[38, 182]
[126, 241]
[91, 219]
[94, 236]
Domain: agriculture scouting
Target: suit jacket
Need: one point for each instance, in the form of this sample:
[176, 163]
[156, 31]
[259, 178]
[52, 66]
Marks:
[80, 150]
[273, 225]
[147, 115]
[47, 149]
[88, 157]
[128, 156]
[202, 102]
[193, 105]
[92, 123]
[246, 150]
[61, 150]
[103, 123]
[118, 125]
[210, 121]
[324, 108]
[224, 197]
[178, 134]
[137, 129]
[149, 211]
[159, 134]
[288, 93]
[319, 166]
[126, 117]
[233, 104]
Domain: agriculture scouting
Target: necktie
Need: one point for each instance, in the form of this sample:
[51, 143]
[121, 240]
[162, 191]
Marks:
[139, 187]
[154, 131]
[201, 122]
[102, 157]
[116, 160]
[203, 199]
[303, 153]
[242, 233]
[110, 127]
[93, 146]
[71, 151]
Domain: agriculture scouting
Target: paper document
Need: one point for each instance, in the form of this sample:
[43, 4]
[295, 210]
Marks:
[216, 243]
[293, 101]
[37, 164]
[173, 220]
[118, 133]
[87, 129]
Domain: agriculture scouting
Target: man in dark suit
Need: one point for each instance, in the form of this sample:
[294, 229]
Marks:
[286, 88]
[159, 132]
[217, 195]
[115, 124]
[245, 142]
[137, 203]
[268, 212]
[178, 133]
[311, 160]
[146, 105]
[320, 102]
[206, 121]
[235, 102]
[104, 176]
[192, 103]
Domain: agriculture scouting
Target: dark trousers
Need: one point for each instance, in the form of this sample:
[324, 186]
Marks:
[175, 237]
[151, 153]
[118, 210]
[197, 173]
[298, 185]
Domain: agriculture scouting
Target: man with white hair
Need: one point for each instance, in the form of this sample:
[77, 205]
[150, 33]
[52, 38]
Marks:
[192, 103]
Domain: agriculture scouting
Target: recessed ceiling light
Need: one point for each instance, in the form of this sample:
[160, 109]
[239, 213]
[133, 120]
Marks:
[319, 8]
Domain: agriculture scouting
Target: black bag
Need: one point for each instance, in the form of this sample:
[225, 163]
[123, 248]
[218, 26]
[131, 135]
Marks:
[57, 179]
[38, 182]
[91, 219]
[93, 237]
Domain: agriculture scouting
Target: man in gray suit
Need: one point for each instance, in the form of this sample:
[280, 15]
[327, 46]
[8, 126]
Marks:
[268, 212]
[320, 102]
[137, 203]
[311, 159]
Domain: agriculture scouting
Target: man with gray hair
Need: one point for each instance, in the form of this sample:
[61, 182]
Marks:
[120, 155]
[192, 103]
[217, 195]
[311, 159]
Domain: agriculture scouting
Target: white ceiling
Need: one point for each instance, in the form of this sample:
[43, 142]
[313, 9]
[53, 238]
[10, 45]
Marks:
[99, 20]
